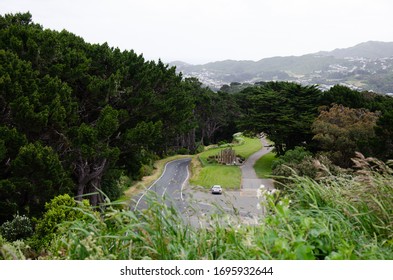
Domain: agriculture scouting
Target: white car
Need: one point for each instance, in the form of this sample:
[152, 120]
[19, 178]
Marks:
[216, 189]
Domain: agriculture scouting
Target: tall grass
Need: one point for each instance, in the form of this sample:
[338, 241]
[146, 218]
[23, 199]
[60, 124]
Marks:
[336, 217]
[159, 232]
[365, 197]
[315, 220]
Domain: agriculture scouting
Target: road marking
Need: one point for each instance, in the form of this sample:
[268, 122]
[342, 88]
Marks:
[181, 191]
[184, 183]
[163, 193]
[139, 200]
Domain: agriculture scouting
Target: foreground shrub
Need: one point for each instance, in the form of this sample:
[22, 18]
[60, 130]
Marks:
[59, 211]
[19, 228]
[15, 250]
[302, 163]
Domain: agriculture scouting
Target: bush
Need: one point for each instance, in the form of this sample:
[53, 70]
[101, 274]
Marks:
[238, 138]
[111, 184]
[294, 156]
[302, 163]
[19, 228]
[59, 210]
[222, 143]
[183, 151]
[200, 148]
[145, 170]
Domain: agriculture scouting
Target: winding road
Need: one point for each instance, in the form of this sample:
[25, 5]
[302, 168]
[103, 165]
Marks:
[170, 185]
[197, 203]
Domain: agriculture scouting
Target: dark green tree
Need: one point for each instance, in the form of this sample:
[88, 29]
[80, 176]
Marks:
[93, 112]
[345, 96]
[284, 111]
[38, 176]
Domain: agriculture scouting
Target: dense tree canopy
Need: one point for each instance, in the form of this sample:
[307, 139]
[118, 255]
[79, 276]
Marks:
[74, 115]
[284, 111]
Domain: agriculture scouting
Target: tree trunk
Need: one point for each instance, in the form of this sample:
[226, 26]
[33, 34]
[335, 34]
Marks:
[95, 190]
[89, 180]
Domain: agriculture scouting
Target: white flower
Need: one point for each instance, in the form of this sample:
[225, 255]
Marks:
[261, 191]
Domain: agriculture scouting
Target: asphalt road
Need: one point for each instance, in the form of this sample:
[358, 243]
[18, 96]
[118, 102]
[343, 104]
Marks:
[170, 185]
[198, 205]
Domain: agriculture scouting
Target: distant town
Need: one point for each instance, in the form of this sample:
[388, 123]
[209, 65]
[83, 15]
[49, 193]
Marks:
[371, 72]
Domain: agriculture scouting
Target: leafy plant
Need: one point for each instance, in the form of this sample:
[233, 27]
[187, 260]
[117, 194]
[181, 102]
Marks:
[59, 210]
[15, 250]
[19, 228]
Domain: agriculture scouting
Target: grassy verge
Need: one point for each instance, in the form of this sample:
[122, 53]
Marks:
[263, 166]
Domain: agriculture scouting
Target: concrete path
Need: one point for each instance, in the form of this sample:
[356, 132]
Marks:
[250, 181]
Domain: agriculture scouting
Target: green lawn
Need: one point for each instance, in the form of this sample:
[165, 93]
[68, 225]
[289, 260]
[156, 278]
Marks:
[250, 146]
[226, 176]
[263, 166]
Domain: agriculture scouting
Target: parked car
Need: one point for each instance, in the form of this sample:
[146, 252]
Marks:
[216, 189]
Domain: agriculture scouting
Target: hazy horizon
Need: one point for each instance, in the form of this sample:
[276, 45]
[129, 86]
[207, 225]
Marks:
[229, 59]
[198, 32]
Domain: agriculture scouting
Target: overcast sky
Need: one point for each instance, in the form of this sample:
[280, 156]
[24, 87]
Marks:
[200, 31]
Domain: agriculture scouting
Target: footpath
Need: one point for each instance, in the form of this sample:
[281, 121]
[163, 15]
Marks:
[250, 182]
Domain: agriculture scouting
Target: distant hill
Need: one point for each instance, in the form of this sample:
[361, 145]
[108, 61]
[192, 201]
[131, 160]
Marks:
[366, 66]
[370, 49]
